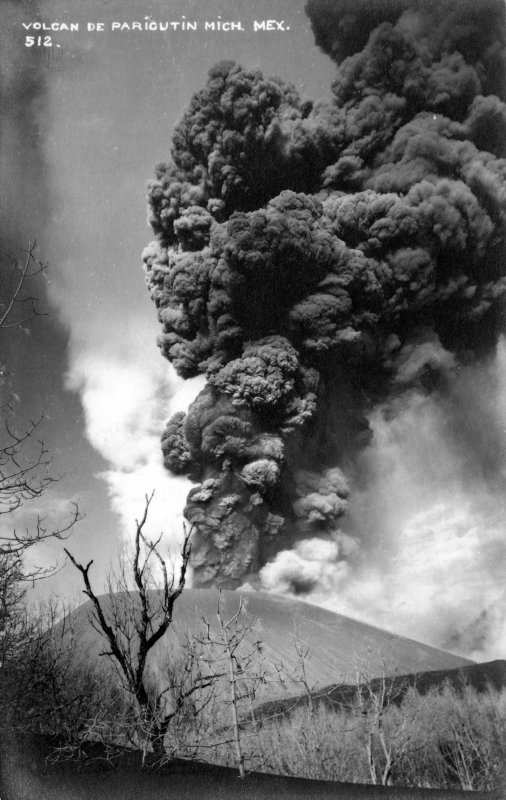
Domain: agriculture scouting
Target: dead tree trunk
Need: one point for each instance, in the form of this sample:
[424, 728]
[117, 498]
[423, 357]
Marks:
[132, 632]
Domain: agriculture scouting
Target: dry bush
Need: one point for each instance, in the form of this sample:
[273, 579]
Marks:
[459, 740]
[317, 744]
[446, 739]
[48, 691]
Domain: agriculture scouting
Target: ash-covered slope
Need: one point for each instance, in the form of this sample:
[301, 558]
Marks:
[339, 645]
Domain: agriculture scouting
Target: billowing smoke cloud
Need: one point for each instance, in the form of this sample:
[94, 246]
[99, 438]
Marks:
[319, 261]
[312, 566]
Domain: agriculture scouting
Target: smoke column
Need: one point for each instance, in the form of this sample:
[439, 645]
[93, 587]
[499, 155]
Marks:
[322, 264]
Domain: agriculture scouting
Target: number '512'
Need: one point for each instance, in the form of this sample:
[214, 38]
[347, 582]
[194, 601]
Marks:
[38, 41]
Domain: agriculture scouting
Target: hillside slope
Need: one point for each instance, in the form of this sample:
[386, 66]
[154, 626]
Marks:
[338, 645]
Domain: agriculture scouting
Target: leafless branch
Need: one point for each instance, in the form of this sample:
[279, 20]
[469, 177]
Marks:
[134, 625]
[17, 275]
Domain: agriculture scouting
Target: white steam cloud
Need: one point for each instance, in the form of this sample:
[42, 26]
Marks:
[310, 566]
[126, 402]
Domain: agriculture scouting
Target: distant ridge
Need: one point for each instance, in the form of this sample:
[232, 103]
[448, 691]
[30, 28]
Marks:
[339, 646]
[481, 677]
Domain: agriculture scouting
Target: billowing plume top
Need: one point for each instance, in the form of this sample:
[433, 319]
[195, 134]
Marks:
[310, 259]
[231, 150]
[475, 29]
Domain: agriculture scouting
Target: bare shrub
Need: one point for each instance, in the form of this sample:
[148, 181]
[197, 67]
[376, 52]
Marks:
[446, 739]
[461, 737]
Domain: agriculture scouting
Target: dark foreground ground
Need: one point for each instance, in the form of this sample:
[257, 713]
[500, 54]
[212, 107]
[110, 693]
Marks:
[24, 775]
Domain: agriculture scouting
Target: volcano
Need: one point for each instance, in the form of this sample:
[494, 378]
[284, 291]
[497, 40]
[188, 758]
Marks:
[338, 645]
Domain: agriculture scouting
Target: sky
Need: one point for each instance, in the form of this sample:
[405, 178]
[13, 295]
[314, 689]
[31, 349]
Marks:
[83, 125]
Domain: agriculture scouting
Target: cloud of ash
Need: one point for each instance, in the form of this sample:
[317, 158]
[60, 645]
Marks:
[336, 270]
[427, 517]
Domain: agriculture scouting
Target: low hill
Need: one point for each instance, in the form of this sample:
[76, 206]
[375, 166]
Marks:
[338, 645]
[481, 677]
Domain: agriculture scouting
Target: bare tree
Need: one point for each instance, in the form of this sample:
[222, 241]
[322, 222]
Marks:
[13, 632]
[132, 623]
[27, 655]
[48, 690]
[383, 726]
[189, 693]
[234, 655]
[311, 734]
[24, 476]
[18, 303]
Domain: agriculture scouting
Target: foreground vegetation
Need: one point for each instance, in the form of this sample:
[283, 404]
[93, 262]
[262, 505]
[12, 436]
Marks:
[441, 740]
[447, 738]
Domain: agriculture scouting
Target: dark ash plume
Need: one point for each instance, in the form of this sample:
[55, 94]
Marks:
[311, 260]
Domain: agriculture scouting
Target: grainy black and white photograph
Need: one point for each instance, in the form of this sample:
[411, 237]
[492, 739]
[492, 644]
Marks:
[252, 399]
